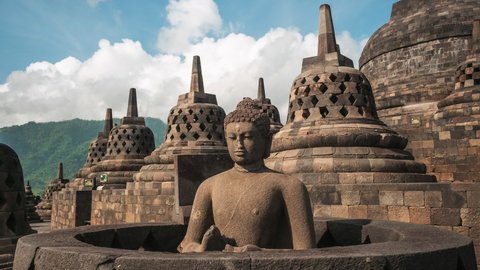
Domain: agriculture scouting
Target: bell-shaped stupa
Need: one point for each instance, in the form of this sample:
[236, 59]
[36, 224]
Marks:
[333, 133]
[128, 144]
[44, 208]
[463, 104]
[30, 205]
[194, 126]
[268, 108]
[457, 120]
[96, 151]
[13, 219]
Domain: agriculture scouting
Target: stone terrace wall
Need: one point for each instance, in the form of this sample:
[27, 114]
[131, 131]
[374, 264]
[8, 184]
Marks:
[452, 206]
[140, 202]
[71, 208]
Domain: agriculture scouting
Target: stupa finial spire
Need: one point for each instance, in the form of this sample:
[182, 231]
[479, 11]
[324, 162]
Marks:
[108, 124]
[132, 110]
[261, 89]
[60, 171]
[196, 84]
[326, 36]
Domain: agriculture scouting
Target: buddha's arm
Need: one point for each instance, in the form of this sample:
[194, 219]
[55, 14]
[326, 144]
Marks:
[201, 218]
[297, 202]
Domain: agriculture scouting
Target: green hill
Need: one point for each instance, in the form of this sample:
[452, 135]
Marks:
[40, 146]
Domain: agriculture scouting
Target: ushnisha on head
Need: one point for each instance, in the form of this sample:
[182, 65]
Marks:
[247, 131]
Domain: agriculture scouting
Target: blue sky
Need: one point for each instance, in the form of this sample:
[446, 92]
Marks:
[50, 44]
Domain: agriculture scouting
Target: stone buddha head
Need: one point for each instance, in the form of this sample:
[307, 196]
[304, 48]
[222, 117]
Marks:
[247, 132]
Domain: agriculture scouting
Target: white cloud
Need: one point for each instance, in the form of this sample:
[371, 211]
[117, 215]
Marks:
[351, 47]
[189, 21]
[94, 3]
[231, 66]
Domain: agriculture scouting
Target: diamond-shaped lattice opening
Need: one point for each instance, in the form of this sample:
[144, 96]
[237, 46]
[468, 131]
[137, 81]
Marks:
[290, 105]
[134, 130]
[168, 129]
[128, 151]
[184, 118]
[12, 223]
[195, 135]
[209, 136]
[202, 127]
[116, 131]
[118, 151]
[306, 91]
[334, 99]
[128, 137]
[180, 111]
[119, 137]
[190, 111]
[214, 127]
[171, 137]
[295, 92]
[174, 119]
[19, 199]
[316, 78]
[314, 100]
[344, 111]
[360, 110]
[292, 116]
[300, 102]
[212, 112]
[188, 126]
[352, 99]
[124, 131]
[323, 88]
[138, 151]
[182, 136]
[137, 137]
[332, 77]
[195, 118]
[347, 77]
[208, 119]
[324, 111]
[342, 87]
[201, 111]
[10, 181]
[124, 143]
[303, 80]
[305, 113]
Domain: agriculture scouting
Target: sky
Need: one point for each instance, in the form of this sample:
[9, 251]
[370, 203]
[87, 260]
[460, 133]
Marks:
[65, 59]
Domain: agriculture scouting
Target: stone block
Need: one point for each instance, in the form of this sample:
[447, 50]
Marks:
[350, 197]
[377, 212]
[357, 211]
[391, 197]
[369, 197]
[414, 198]
[398, 213]
[453, 199]
[470, 216]
[445, 216]
[420, 215]
[433, 198]
[322, 211]
[340, 211]
[473, 198]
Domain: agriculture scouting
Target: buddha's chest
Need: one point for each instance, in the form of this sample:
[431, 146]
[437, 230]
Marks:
[246, 204]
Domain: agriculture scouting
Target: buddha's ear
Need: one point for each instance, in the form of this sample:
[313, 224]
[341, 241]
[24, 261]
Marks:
[268, 146]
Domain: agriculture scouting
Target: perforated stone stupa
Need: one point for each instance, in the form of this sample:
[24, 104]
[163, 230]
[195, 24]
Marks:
[458, 119]
[127, 145]
[44, 208]
[96, 151]
[13, 221]
[268, 108]
[194, 126]
[333, 133]
[30, 205]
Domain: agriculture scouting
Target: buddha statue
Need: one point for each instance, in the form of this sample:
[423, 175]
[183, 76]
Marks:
[249, 207]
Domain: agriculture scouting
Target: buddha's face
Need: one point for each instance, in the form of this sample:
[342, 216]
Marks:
[246, 145]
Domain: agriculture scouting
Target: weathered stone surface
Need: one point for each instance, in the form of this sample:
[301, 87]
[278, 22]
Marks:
[44, 208]
[332, 123]
[394, 245]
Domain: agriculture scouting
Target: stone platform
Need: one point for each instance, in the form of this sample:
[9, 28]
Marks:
[342, 244]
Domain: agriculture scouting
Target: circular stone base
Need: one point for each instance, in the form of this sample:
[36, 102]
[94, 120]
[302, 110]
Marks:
[342, 244]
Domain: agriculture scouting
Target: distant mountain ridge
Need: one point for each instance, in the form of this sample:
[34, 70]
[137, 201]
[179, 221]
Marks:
[40, 146]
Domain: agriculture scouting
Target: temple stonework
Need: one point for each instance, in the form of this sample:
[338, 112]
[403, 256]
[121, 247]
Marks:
[44, 208]
[268, 108]
[13, 219]
[30, 205]
[127, 145]
[410, 62]
[333, 134]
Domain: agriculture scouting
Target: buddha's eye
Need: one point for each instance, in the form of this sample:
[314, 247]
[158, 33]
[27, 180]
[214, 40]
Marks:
[231, 136]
